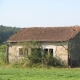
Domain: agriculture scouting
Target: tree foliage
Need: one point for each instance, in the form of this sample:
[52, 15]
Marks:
[6, 32]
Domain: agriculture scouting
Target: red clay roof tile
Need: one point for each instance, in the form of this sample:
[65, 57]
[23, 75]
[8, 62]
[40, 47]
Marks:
[45, 34]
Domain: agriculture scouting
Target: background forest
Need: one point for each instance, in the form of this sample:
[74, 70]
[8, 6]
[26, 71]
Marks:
[6, 32]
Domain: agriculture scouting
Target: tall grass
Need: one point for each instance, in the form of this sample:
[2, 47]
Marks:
[2, 54]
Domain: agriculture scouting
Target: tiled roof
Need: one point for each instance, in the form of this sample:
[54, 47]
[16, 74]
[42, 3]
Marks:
[45, 34]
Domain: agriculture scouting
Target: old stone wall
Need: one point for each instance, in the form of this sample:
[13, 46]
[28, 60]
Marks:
[59, 51]
[14, 53]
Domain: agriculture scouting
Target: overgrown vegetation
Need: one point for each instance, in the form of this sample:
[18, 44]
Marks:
[37, 57]
[2, 54]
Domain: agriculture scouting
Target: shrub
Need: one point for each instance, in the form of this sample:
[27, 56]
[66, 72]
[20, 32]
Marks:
[3, 53]
[35, 56]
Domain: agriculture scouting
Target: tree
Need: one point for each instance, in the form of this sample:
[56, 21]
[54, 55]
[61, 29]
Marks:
[0, 40]
[35, 55]
[6, 32]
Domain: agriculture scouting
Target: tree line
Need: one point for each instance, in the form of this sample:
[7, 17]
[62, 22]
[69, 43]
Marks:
[6, 32]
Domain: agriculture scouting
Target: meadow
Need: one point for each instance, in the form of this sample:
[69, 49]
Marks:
[39, 74]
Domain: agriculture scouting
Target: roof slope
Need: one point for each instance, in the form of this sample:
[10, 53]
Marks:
[45, 34]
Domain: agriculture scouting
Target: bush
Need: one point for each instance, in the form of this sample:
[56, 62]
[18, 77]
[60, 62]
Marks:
[49, 60]
[35, 56]
[2, 54]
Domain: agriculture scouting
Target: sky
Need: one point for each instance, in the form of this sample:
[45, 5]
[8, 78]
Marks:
[39, 13]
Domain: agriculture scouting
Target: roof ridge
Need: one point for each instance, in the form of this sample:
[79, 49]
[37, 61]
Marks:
[53, 27]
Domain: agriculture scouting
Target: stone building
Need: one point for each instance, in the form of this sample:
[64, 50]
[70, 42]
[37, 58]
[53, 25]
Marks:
[62, 42]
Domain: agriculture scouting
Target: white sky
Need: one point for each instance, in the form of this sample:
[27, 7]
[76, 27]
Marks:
[42, 13]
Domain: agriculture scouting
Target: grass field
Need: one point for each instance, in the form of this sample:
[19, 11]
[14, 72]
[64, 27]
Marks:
[39, 74]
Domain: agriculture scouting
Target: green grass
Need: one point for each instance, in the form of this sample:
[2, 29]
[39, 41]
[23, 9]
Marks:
[39, 74]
